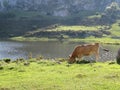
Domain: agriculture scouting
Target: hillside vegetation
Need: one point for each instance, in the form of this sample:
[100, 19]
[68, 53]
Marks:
[18, 24]
[101, 33]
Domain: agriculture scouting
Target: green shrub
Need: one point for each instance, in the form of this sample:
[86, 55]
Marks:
[11, 68]
[1, 68]
[7, 60]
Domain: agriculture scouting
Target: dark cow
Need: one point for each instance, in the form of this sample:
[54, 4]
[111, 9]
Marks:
[118, 56]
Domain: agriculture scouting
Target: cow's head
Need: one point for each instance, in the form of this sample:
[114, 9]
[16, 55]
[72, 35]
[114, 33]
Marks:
[71, 59]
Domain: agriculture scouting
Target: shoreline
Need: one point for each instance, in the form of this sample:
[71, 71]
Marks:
[89, 40]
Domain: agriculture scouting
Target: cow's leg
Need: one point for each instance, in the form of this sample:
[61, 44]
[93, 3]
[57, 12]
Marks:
[97, 56]
[73, 61]
[80, 57]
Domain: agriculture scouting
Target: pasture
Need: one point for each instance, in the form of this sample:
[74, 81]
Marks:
[55, 75]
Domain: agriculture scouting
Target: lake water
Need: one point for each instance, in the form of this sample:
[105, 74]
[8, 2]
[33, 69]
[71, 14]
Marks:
[15, 50]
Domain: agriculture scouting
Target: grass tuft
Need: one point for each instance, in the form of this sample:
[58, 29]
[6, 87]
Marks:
[80, 76]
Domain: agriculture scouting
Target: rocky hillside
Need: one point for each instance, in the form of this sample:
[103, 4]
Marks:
[18, 17]
[56, 7]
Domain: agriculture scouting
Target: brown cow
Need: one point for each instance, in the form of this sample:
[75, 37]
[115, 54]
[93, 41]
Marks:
[85, 50]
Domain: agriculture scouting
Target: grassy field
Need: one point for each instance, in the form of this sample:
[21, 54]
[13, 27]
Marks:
[76, 28]
[51, 75]
[104, 40]
[116, 29]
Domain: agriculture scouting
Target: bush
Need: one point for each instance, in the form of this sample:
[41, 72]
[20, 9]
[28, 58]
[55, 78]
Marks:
[1, 68]
[7, 60]
[11, 68]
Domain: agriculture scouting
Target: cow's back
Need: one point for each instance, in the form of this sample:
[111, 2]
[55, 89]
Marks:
[90, 49]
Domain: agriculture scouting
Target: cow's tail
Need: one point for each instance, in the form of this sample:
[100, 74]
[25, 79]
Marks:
[104, 49]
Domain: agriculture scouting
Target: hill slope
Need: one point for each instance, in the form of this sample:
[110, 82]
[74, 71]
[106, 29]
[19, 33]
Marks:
[19, 17]
[56, 7]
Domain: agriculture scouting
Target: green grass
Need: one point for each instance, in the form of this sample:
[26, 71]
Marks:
[48, 75]
[115, 30]
[21, 38]
[104, 40]
[76, 28]
[94, 16]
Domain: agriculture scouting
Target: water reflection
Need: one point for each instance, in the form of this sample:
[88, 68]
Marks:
[15, 50]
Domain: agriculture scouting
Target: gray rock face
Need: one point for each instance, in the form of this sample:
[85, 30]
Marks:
[56, 7]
